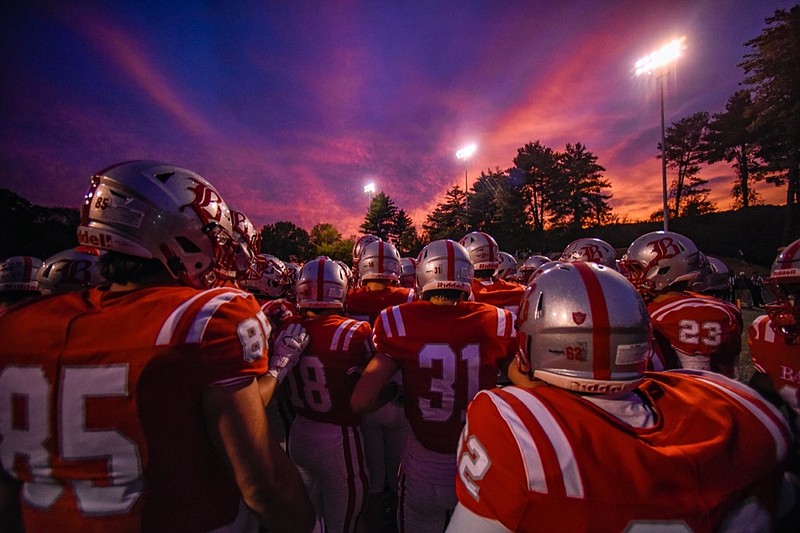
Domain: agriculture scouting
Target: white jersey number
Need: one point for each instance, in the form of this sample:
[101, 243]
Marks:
[693, 332]
[444, 386]
[26, 389]
[314, 385]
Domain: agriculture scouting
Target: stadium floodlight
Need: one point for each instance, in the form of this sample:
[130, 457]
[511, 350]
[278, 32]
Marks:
[465, 153]
[658, 61]
[369, 190]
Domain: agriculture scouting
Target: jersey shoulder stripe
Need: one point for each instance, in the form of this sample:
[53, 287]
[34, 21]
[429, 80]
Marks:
[188, 322]
[763, 411]
[692, 303]
[572, 484]
[392, 321]
[344, 334]
[505, 323]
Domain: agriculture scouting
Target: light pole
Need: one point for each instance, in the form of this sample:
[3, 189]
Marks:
[659, 60]
[369, 190]
[465, 153]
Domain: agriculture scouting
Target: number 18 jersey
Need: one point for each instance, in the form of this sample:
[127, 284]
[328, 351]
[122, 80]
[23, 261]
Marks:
[446, 354]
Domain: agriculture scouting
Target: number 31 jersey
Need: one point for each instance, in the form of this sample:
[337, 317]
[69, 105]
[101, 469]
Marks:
[446, 354]
[101, 398]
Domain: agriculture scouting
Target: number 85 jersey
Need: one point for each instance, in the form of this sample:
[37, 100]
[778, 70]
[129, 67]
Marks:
[101, 406]
[446, 354]
[696, 331]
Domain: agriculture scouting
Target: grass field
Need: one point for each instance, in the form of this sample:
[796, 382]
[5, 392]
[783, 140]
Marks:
[745, 363]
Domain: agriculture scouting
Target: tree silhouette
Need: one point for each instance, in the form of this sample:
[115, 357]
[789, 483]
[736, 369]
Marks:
[287, 241]
[577, 197]
[685, 152]
[772, 71]
[447, 220]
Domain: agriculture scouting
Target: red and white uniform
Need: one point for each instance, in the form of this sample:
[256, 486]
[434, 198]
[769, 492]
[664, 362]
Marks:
[446, 355]
[775, 355]
[499, 293]
[325, 440]
[385, 429]
[696, 331]
[101, 412]
[545, 459]
[365, 304]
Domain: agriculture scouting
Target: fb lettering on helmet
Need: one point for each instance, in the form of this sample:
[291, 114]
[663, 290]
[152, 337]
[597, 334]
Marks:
[665, 248]
[207, 200]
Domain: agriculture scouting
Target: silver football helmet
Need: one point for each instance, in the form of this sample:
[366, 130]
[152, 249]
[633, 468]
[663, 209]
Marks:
[379, 261]
[360, 244]
[273, 278]
[408, 267]
[70, 270]
[292, 275]
[322, 284]
[529, 266]
[590, 249]
[444, 264]
[583, 327]
[659, 259]
[19, 274]
[248, 239]
[507, 269]
[716, 278]
[482, 250]
[156, 210]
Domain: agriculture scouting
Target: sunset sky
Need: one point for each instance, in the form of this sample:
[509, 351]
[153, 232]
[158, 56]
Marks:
[290, 108]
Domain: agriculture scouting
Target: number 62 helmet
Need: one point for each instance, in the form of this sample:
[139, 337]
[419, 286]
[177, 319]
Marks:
[585, 328]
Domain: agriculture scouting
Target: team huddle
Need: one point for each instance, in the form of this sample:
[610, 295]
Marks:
[167, 375]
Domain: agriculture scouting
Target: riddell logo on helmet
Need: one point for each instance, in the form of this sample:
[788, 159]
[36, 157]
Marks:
[448, 285]
[99, 240]
[601, 388]
[785, 272]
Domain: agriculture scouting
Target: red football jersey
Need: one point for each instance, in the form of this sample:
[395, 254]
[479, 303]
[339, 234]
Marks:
[500, 293]
[545, 459]
[446, 355]
[774, 355]
[696, 325]
[364, 304]
[101, 408]
[323, 379]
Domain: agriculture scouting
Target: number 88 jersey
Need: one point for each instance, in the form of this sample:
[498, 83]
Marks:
[696, 331]
[447, 354]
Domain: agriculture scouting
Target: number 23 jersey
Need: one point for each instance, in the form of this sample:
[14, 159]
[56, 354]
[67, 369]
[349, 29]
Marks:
[446, 355]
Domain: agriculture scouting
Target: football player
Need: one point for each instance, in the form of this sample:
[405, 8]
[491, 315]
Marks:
[507, 267]
[531, 264]
[587, 441]
[325, 441]
[447, 348]
[486, 287]
[379, 269]
[137, 406]
[691, 330]
[774, 340]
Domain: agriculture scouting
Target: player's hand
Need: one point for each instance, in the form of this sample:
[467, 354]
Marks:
[288, 347]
